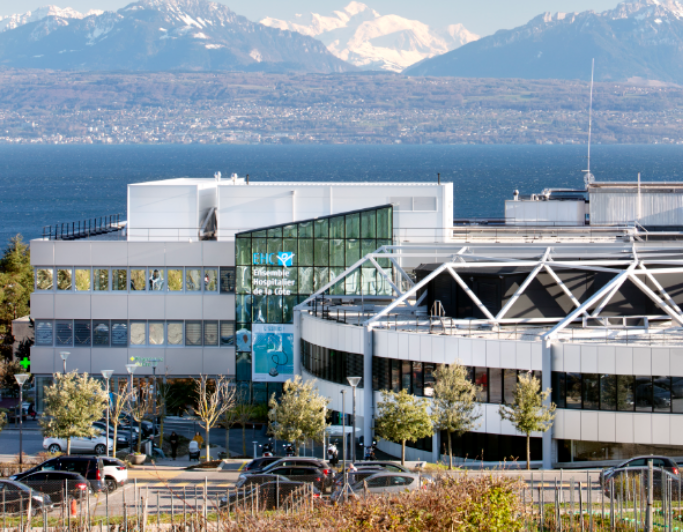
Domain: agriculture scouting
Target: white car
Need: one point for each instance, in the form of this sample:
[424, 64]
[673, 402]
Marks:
[96, 445]
[385, 483]
[115, 472]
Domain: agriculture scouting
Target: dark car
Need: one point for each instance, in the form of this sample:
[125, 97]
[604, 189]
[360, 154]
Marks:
[309, 475]
[15, 496]
[305, 462]
[57, 484]
[627, 476]
[390, 467]
[638, 462]
[90, 467]
[124, 438]
[148, 428]
[356, 476]
[251, 480]
[281, 494]
[261, 463]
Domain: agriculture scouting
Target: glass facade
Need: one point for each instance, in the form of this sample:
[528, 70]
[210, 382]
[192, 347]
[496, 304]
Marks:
[279, 267]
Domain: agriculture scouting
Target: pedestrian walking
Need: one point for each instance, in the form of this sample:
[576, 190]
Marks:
[174, 445]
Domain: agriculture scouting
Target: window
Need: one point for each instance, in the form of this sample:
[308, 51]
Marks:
[65, 333]
[44, 332]
[625, 398]
[677, 394]
[82, 333]
[156, 332]
[644, 396]
[211, 333]
[429, 379]
[591, 391]
[119, 279]
[156, 279]
[210, 279]
[138, 333]
[175, 333]
[175, 279]
[661, 394]
[64, 279]
[608, 392]
[44, 279]
[83, 279]
[119, 333]
[193, 279]
[227, 334]
[137, 279]
[227, 280]
[418, 386]
[495, 385]
[395, 375]
[193, 333]
[481, 379]
[559, 389]
[100, 335]
[573, 384]
[509, 385]
[101, 279]
[406, 374]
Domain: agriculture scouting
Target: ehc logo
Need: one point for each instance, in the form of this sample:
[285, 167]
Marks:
[284, 259]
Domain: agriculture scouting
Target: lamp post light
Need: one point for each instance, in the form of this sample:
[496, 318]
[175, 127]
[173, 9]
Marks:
[343, 393]
[131, 369]
[64, 355]
[21, 379]
[354, 382]
[107, 373]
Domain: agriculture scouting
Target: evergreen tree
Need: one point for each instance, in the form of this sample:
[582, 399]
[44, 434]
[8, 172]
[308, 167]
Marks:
[402, 417]
[455, 403]
[16, 282]
[530, 410]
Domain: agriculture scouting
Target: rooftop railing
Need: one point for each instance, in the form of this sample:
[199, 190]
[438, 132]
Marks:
[84, 228]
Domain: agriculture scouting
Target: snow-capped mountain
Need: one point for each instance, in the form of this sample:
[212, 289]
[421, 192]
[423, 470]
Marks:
[159, 35]
[370, 41]
[10, 22]
[639, 39]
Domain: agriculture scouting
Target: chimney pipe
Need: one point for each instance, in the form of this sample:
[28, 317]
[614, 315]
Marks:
[247, 179]
[438, 178]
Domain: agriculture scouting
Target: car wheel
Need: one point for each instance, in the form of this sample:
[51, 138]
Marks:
[111, 484]
[100, 448]
[54, 448]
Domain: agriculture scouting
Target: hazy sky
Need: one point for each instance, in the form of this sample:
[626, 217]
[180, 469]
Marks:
[482, 16]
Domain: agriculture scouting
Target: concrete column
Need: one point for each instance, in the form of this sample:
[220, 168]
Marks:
[546, 382]
[368, 396]
[296, 351]
[436, 444]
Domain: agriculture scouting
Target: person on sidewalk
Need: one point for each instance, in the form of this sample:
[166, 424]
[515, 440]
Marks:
[198, 438]
[174, 445]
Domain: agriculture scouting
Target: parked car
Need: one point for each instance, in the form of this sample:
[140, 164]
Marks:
[641, 461]
[627, 475]
[261, 463]
[355, 476]
[305, 462]
[251, 480]
[115, 473]
[148, 428]
[272, 495]
[309, 475]
[124, 438]
[384, 483]
[90, 467]
[391, 467]
[56, 483]
[96, 444]
[15, 496]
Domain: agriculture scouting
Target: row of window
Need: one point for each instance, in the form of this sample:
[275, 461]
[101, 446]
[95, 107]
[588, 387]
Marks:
[624, 393]
[137, 279]
[418, 378]
[134, 333]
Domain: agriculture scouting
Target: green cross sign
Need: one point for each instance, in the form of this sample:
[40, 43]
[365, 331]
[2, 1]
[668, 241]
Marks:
[25, 363]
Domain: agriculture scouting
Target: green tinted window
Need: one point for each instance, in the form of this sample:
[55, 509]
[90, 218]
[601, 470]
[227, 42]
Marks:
[337, 227]
[368, 224]
[289, 231]
[305, 252]
[352, 225]
[352, 251]
[274, 309]
[337, 252]
[321, 228]
[321, 257]
[306, 230]
[275, 233]
[243, 251]
[243, 274]
[321, 278]
[384, 223]
[305, 280]
[274, 246]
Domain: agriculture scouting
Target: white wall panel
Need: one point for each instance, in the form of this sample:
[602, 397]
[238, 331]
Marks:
[414, 346]
[109, 306]
[218, 253]
[146, 307]
[493, 421]
[183, 361]
[508, 354]
[536, 356]
[624, 428]
[558, 425]
[624, 361]
[642, 361]
[152, 254]
[218, 307]
[108, 253]
[589, 425]
[493, 354]
[676, 362]
[642, 428]
[523, 355]
[465, 351]
[572, 424]
[72, 306]
[589, 359]
[660, 361]
[451, 351]
[479, 352]
[79, 360]
[72, 253]
[606, 359]
[393, 345]
[380, 344]
[42, 253]
[607, 426]
[572, 358]
[42, 306]
[675, 430]
[660, 430]
[183, 307]
[111, 358]
[404, 347]
[438, 349]
[183, 253]
[425, 348]
[43, 360]
[216, 361]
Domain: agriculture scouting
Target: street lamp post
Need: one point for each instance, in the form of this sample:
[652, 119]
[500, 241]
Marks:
[354, 382]
[64, 355]
[131, 369]
[154, 380]
[107, 373]
[21, 379]
[343, 392]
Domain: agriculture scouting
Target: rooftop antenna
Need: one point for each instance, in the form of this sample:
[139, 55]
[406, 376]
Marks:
[590, 178]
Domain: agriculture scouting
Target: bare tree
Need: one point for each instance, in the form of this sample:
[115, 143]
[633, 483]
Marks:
[140, 405]
[117, 406]
[212, 403]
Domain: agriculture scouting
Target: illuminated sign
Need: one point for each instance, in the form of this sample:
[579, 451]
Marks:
[146, 362]
[281, 258]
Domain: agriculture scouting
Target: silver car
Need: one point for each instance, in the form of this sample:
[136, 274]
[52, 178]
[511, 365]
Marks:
[384, 483]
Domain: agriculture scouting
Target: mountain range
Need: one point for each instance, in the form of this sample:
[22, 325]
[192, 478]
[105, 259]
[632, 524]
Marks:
[641, 39]
[370, 41]
[155, 35]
